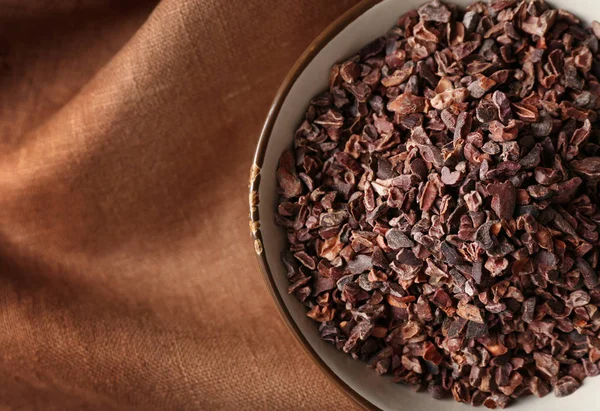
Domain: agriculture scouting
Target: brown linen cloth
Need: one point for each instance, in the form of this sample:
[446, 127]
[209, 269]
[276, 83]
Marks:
[128, 279]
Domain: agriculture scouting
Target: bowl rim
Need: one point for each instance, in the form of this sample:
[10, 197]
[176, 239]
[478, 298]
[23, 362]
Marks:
[303, 61]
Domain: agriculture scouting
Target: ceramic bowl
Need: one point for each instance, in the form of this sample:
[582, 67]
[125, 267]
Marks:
[309, 76]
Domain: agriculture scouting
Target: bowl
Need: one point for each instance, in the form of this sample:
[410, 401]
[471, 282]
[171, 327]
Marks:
[308, 77]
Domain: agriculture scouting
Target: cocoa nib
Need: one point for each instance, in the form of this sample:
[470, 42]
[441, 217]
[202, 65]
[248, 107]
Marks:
[440, 202]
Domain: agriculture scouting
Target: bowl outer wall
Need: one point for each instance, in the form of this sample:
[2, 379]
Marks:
[308, 77]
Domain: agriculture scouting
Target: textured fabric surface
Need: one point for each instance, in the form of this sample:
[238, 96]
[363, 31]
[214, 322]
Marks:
[128, 278]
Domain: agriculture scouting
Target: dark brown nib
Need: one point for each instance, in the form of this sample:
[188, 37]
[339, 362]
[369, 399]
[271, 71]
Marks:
[441, 203]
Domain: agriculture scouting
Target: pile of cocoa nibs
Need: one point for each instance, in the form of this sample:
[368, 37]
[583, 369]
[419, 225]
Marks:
[441, 203]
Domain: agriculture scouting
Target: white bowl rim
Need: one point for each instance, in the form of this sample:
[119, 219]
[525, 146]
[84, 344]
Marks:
[305, 60]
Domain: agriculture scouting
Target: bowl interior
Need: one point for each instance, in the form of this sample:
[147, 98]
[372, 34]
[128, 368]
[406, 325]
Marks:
[379, 391]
